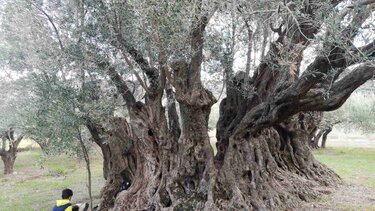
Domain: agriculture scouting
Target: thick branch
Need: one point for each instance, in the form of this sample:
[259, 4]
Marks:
[352, 29]
[367, 50]
[122, 88]
[143, 84]
[197, 40]
[151, 72]
[339, 92]
[293, 101]
[197, 44]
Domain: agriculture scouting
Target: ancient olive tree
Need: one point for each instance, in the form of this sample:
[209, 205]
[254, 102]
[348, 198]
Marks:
[266, 120]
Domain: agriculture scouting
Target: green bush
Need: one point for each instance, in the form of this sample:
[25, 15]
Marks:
[358, 112]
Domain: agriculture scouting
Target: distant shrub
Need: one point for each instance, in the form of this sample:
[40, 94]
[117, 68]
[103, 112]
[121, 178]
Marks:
[358, 112]
[58, 172]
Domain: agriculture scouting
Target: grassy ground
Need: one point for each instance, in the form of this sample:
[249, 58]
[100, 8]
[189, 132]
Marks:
[36, 184]
[354, 165]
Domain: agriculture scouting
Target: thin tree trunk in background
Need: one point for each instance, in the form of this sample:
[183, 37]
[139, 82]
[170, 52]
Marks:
[88, 168]
[315, 141]
[324, 139]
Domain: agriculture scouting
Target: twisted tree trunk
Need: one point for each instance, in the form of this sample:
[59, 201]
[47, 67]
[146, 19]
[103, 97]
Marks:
[9, 154]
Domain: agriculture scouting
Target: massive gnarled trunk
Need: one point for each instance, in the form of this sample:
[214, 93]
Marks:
[263, 160]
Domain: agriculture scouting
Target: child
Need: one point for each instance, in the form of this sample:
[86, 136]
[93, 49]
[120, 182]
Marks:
[65, 203]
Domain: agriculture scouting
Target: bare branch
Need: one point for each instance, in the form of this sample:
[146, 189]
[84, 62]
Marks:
[143, 84]
[151, 72]
[367, 50]
[121, 86]
[17, 141]
[50, 21]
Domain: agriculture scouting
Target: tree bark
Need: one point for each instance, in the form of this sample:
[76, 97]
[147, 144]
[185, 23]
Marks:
[324, 139]
[8, 156]
[8, 160]
[173, 119]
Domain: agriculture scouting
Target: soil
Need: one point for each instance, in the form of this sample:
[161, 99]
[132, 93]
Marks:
[343, 198]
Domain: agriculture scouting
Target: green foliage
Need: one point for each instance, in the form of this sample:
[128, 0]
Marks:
[14, 97]
[357, 112]
[59, 77]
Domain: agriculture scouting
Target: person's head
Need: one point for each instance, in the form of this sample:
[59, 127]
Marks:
[67, 194]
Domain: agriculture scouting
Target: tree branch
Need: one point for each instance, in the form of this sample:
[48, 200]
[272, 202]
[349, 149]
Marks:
[361, 3]
[151, 72]
[197, 41]
[162, 57]
[17, 141]
[339, 92]
[121, 86]
[51, 22]
[197, 33]
[367, 50]
[295, 100]
[143, 84]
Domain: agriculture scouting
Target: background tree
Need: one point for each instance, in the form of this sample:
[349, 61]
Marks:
[8, 151]
[13, 99]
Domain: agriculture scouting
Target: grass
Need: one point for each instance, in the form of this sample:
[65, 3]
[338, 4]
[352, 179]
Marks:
[354, 165]
[36, 185]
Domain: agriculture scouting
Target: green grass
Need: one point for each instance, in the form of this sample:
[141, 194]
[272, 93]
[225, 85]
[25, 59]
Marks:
[36, 185]
[354, 165]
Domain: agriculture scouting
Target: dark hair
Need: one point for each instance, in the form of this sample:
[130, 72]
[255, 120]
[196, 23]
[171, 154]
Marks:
[66, 193]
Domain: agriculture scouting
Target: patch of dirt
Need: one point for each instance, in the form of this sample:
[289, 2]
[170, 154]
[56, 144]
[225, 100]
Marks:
[346, 197]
